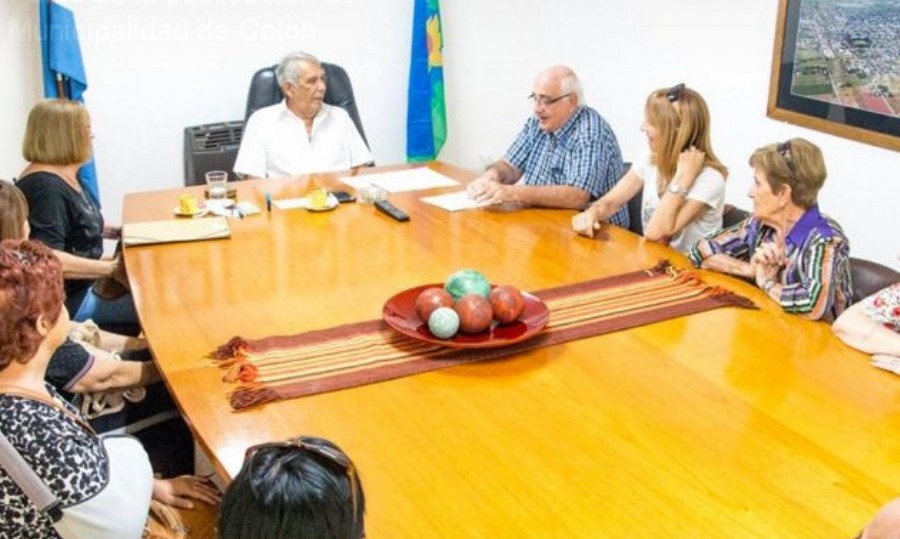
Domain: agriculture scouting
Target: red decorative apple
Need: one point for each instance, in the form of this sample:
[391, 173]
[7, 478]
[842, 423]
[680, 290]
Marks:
[507, 303]
[474, 313]
[430, 299]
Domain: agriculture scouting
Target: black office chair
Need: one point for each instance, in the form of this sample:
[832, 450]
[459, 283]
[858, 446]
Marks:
[732, 215]
[869, 277]
[264, 91]
[635, 222]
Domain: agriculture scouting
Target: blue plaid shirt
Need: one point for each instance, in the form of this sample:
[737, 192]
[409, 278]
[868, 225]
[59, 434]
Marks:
[816, 278]
[583, 153]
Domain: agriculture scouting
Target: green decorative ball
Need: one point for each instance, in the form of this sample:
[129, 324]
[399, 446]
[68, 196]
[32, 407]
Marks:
[467, 281]
[443, 323]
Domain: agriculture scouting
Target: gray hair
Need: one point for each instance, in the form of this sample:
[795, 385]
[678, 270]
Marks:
[571, 85]
[288, 70]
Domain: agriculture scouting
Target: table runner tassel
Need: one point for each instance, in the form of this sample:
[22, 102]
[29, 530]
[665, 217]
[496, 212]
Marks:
[241, 370]
[233, 348]
[250, 396]
[729, 298]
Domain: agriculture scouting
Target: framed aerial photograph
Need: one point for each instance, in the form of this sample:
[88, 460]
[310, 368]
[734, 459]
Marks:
[836, 68]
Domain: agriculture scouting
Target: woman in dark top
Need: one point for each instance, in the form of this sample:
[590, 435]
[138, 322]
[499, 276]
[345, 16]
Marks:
[57, 143]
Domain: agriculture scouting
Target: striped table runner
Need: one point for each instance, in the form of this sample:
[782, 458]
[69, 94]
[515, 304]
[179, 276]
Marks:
[275, 368]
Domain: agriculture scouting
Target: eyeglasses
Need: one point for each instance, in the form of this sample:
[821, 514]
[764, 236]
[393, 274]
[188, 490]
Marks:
[545, 101]
[329, 454]
[784, 149]
[675, 93]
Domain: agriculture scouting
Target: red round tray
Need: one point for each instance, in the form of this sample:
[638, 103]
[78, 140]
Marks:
[400, 313]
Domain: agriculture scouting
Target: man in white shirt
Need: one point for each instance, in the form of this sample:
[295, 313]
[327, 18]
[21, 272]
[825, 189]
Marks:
[301, 134]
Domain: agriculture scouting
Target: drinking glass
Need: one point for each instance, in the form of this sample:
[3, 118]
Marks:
[216, 184]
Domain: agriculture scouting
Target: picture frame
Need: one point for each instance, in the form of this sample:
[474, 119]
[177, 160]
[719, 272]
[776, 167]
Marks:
[834, 71]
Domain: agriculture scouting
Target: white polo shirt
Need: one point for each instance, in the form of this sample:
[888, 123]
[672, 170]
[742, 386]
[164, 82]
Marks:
[276, 144]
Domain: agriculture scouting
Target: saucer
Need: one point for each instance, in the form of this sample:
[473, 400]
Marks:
[330, 203]
[199, 213]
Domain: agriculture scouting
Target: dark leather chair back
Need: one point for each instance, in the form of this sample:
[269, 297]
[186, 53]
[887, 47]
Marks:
[732, 215]
[635, 208]
[869, 277]
[264, 91]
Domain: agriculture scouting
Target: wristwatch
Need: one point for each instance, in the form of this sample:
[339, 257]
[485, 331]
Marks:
[677, 190]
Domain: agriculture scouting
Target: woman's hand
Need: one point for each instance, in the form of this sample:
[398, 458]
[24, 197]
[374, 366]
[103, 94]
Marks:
[586, 223]
[690, 163]
[770, 254]
[181, 491]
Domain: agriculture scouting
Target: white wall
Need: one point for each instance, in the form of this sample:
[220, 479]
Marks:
[20, 58]
[156, 66]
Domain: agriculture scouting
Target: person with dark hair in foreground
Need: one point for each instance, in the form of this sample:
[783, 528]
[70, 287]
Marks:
[302, 488]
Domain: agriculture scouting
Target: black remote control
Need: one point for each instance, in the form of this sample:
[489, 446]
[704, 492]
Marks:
[392, 211]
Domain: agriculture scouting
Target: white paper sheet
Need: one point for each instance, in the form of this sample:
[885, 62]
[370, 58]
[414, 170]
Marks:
[456, 201]
[414, 179]
[291, 203]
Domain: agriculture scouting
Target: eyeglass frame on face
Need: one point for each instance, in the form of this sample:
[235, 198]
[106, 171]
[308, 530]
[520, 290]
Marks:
[545, 101]
[784, 150]
[330, 454]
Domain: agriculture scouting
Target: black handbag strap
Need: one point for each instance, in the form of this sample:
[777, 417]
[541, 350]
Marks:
[32, 485]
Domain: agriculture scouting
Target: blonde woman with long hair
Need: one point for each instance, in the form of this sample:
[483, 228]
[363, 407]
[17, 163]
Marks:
[683, 181]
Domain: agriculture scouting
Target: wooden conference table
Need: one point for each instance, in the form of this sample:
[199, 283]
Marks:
[728, 423]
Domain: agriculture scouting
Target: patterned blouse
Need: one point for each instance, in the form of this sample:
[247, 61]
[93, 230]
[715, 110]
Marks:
[816, 277]
[70, 460]
[884, 307]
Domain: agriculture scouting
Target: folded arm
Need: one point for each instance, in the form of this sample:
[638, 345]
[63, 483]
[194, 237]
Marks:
[109, 372]
[79, 267]
[858, 330]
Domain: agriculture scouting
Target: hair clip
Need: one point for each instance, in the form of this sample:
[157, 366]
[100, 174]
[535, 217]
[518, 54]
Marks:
[784, 150]
[675, 93]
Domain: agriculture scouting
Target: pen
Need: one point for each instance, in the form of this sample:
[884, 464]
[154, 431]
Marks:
[268, 202]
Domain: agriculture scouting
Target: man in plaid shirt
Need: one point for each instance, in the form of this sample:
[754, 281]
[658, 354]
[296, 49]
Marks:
[565, 156]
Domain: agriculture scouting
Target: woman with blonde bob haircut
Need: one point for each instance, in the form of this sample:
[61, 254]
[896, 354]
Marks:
[683, 182]
[58, 133]
[798, 256]
[57, 143]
